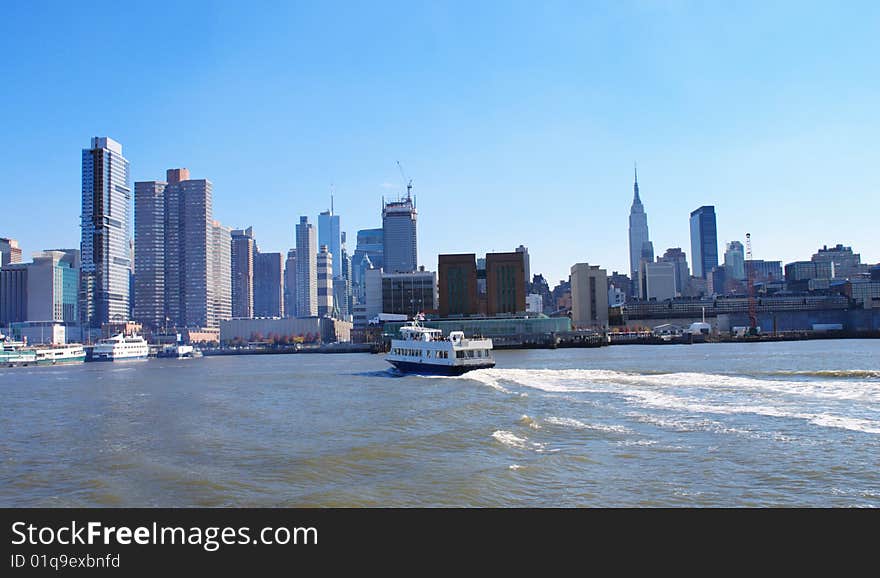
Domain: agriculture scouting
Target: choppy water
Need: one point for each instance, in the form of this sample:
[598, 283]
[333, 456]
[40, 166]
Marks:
[775, 424]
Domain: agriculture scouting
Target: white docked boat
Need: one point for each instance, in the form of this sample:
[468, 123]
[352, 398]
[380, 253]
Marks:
[425, 350]
[60, 354]
[14, 353]
[178, 350]
[121, 347]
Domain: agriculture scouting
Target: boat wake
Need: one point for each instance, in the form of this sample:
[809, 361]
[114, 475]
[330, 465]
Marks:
[822, 403]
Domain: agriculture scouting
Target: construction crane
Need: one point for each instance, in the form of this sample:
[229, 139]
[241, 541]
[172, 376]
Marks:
[750, 281]
[405, 180]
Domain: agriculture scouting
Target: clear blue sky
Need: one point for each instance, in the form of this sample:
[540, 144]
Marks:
[518, 122]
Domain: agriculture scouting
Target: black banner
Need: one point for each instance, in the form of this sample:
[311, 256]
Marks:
[127, 541]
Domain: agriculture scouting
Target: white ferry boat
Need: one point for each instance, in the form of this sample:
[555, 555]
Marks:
[59, 354]
[121, 347]
[425, 350]
[14, 353]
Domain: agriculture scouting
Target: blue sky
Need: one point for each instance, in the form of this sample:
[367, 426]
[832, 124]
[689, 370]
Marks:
[518, 122]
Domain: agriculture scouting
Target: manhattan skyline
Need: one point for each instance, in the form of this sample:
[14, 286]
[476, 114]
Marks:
[517, 126]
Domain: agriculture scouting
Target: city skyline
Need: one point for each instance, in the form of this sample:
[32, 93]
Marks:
[791, 124]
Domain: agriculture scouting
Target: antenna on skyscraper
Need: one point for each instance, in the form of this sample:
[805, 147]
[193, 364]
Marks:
[405, 180]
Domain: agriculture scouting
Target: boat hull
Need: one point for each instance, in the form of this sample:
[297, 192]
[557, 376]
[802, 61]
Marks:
[432, 369]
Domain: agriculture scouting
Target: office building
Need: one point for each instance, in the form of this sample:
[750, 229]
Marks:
[399, 238]
[290, 284]
[589, 296]
[845, 263]
[657, 280]
[409, 293]
[704, 241]
[765, 271]
[10, 252]
[735, 261]
[306, 269]
[244, 248]
[268, 285]
[678, 259]
[324, 264]
[640, 246]
[105, 224]
[458, 284]
[329, 234]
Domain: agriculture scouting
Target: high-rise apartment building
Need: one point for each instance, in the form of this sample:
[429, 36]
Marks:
[325, 282]
[221, 272]
[191, 269]
[704, 241]
[306, 269]
[244, 248]
[640, 246]
[399, 236]
[589, 296]
[106, 231]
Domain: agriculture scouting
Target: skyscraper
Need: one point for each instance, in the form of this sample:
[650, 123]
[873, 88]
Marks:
[243, 250]
[704, 241]
[306, 269]
[193, 271]
[10, 252]
[734, 260]
[640, 246]
[290, 284]
[106, 230]
[268, 285]
[149, 253]
[329, 234]
[678, 258]
[325, 282]
[342, 284]
[221, 272]
[399, 236]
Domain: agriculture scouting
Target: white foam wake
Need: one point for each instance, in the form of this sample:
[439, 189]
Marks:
[577, 424]
[512, 440]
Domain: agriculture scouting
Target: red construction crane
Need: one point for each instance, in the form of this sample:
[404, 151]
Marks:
[750, 281]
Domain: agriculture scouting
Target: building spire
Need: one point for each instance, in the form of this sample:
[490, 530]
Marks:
[636, 198]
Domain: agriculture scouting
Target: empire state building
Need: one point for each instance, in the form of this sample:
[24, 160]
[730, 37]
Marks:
[640, 246]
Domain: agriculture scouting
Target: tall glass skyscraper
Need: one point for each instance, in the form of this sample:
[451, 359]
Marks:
[399, 236]
[640, 246]
[704, 241]
[329, 234]
[106, 231]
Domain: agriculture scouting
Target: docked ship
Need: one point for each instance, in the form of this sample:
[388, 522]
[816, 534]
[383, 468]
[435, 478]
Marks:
[426, 351]
[60, 354]
[14, 353]
[121, 347]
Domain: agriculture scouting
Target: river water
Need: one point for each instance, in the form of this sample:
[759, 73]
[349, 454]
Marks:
[707, 425]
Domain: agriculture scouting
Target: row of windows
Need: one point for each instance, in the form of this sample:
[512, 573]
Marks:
[472, 353]
[429, 354]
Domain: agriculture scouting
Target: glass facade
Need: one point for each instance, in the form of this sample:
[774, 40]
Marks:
[704, 241]
[106, 231]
